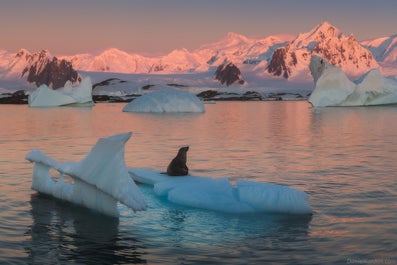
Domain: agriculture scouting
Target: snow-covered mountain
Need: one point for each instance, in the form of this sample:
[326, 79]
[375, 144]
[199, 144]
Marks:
[13, 65]
[278, 57]
[281, 55]
[111, 60]
[233, 48]
[239, 49]
[39, 68]
[325, 40]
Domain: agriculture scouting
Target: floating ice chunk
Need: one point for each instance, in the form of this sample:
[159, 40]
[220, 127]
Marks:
[101, 179]
[333, 88]
[220, 195]
[332, 84]
[43, 96]
[166, 100]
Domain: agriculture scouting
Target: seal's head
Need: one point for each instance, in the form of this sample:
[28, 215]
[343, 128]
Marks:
[182, 153]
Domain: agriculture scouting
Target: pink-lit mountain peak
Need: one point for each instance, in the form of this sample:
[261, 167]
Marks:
[325, 30]
[320, 33]
[326, 41]
[230, 40]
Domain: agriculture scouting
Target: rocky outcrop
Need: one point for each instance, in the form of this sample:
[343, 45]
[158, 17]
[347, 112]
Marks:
[281, 62]
[18, 97]
[52, 72]
[213, 95]
[228, 74]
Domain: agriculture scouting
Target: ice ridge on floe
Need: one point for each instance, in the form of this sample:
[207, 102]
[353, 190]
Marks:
[101, 179]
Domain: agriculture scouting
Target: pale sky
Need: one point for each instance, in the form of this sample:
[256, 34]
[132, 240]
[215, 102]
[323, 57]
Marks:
[66, 27]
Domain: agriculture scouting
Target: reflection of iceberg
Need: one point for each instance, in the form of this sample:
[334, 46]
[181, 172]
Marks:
[100, 180]
[166, 100]
[44, 96]
[333, 88]
[221, 195]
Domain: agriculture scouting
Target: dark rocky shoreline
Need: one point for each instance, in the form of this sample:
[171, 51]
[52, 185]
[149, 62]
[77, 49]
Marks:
[21, 97]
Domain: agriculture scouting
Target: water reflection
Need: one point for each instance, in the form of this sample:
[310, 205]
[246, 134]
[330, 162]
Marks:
[343, 157]
[63, 233]
[247, 239]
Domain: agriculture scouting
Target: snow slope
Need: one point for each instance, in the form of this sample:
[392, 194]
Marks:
[385, 51]
[111, 60]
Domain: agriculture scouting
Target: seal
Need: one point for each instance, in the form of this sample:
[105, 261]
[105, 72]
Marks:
[178, 167]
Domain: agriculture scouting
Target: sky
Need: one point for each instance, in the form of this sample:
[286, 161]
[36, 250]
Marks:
[156, 27]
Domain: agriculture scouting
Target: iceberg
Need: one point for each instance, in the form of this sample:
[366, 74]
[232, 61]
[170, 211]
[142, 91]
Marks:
[333, 87]
[220, 195]
[44, 96]
[101, 179]
[166, 100]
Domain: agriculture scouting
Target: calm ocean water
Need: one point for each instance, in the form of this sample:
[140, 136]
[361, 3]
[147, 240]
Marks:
[344, 158]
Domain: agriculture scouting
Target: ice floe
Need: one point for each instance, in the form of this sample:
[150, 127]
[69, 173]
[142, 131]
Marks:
[101, 179]
[220, 195]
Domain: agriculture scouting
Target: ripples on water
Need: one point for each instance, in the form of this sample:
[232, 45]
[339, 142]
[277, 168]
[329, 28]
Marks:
[343, 157]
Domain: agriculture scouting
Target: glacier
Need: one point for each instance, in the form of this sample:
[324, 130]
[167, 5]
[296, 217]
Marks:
[333, 87]
[100, 180]
[166, 100]
[44, 96]
[220, 195]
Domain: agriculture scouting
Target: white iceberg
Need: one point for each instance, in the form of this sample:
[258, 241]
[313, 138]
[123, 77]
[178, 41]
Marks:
[333, 87]
[220, 195]
[166, 100]
[101, 179]
[44, 96]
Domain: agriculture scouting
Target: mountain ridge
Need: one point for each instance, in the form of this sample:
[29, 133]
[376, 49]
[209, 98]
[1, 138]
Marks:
[274, 56]
[38, 68]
